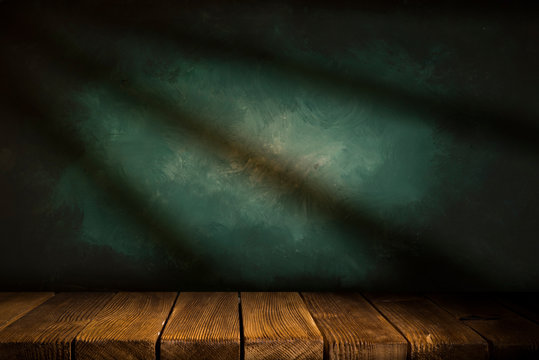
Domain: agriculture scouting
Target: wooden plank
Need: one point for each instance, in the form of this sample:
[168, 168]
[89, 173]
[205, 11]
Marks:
[13, 305]
[126, 328]
[278, 326]
[525, 304]
[47, 331]
[203, 326]
[511, 336]
[353, 329]
[432, 332]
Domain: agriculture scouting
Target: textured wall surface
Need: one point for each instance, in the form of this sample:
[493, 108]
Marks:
[268, 146]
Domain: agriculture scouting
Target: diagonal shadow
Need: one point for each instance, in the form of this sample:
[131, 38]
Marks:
[119, 191]
[359, 223]
[510, 127]
[26, 102]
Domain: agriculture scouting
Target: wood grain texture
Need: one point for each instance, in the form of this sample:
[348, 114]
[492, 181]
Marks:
[13, 305]
[511, 336]
[278, 326]
[203, 326]
[126, 328]
[353, 329]
[47, 331]
[432, 332]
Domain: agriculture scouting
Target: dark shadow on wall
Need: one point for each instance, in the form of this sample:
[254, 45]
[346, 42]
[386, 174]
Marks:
[79, 263]
[463, 115]
[409, 259]
[37, 115]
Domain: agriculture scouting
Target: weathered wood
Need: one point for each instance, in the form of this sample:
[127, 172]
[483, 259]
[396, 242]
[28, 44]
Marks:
[13, 305]
[203, 326]
[432, 332]
[353, 329]
[47, 331]
[510, 335]
[126, 328]
[278, 326]
[525, 304]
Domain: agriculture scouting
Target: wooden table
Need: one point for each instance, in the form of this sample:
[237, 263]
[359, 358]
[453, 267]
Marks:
[267, 325]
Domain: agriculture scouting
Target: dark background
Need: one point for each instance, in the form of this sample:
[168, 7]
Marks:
[269, 145]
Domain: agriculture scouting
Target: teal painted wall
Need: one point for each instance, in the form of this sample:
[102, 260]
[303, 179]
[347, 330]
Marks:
[269, 146]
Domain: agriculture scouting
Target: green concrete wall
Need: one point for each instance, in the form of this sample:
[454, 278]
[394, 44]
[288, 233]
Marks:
[269, 146]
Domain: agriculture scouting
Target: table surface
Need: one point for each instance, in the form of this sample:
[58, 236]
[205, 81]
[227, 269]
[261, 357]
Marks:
[267, 325]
